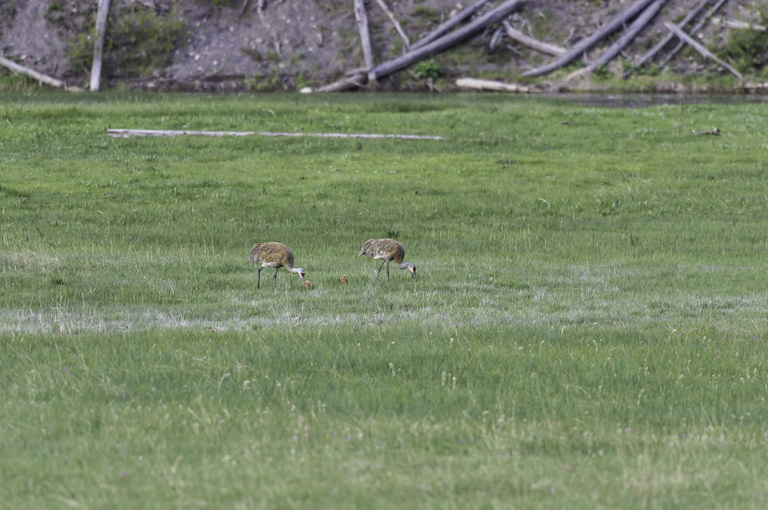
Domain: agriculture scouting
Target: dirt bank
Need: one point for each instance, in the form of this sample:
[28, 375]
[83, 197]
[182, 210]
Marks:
[212, 45]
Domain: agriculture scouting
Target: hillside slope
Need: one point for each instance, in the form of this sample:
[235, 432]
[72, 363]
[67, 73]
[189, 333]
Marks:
[209, 45]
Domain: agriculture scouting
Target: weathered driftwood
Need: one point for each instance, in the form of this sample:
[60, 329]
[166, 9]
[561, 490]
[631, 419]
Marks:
[445, 27]
[395, 23]
[638, 25]
[694, 30]
[496, 38]
[243, 8]
[42, 78]
[579, 49]
[661, 44]
[415, 55]
[738, 25]
[472, 83]
[132, 133]
[365, 37]
[534, 44]
[98, 45]
[701, 49]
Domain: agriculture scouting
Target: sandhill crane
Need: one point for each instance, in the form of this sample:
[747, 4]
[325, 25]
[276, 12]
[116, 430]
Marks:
[387, 250]
[275, 255]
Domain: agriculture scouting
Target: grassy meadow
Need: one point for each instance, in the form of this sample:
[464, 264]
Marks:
[586, 330]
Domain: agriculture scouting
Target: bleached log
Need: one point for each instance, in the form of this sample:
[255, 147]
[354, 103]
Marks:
[42, 78]
[395, 23]
[365, 37]
[415, 55]
[701, 49]
[473, 83]
[738, 25]
[635, 28]
[535, 44]
[580, 48]
[661, 44]
[98, 46]
[694, 30]
[132, 133]
[445, 27]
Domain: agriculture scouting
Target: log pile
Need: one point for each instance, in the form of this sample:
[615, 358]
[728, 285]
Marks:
[497, 21]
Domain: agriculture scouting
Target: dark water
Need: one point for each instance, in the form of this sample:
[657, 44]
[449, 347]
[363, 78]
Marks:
[607, 100]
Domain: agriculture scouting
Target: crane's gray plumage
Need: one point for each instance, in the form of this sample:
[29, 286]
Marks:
[387, 250]
[275, 255]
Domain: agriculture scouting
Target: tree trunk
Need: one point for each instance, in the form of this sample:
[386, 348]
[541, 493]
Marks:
[648, 56]
[634, 29]
[439, 31]
[472, 83]
[365, 37]
[695, 29]
[590, 41]
[442, 44]
[532, 43]
[395, 23]
[42, 78]
[701, 49]
[98, 45]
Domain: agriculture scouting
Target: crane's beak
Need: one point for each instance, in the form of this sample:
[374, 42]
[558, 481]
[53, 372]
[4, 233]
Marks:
[415, 276]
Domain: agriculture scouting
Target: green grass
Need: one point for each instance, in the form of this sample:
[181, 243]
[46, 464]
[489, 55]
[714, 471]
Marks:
[587, 327]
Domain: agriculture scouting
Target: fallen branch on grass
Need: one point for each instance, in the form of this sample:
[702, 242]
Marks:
[715, 132]
[132, 133]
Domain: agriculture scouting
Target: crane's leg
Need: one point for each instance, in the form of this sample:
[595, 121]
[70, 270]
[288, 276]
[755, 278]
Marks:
[275, 277]
[387, 272]
[379, 271]
[258, 282]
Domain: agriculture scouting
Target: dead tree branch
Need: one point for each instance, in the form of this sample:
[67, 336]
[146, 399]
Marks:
[648, 56]
[445, 27]
[365, 37]
[701, 49]
[440, 45]
[395, 23]
[98, 45]
[42, 78]
[590, 41]
[535, 44]
[472, 83]
[275, 40]
[694, 30]
[132, 133]
[638, 25]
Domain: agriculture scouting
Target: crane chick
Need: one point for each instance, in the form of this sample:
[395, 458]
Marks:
[275, 255]
[387, 250]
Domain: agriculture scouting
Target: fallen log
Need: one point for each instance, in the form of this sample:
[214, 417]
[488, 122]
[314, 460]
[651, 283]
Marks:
[440, 45]
[661, 44]
[701, 49]
[132, 133]
[98, 46]
[389, 14]
[445, 27]
[473, 83]
[694, 30]
[639, 24]
[42, 78]
[530, 42]
[365, 37]
[590, 41]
